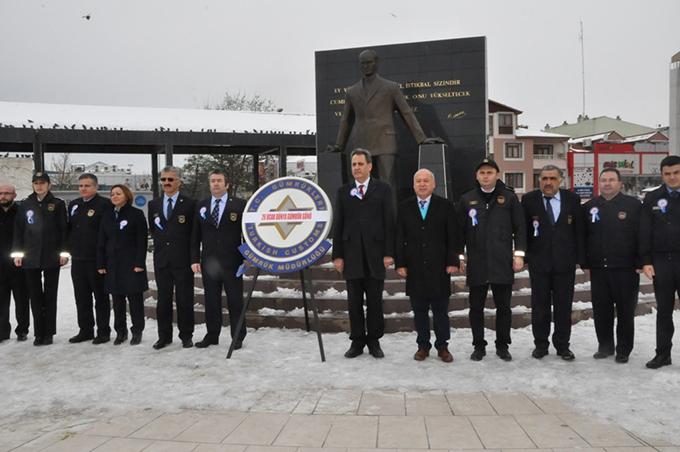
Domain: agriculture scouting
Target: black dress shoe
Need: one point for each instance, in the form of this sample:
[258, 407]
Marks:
[622, 359]
[160, 343]
[478, 354]
[504, 354]
[101, 339]
[136, 339]
[187, 343]
[206, 342]
[601, 354]
[120, 338]
[539, 353]
[47, 340]
[238, 345]
[566, 355]
[21, 337]
[38, 341]
[376, 351]
[353, 351]
[659, 361]
[81, 337]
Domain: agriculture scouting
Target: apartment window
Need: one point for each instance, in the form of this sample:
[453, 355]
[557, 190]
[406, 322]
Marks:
[514, 151]
[505, 124]
[515, 180]
[543, 151]
[537, 179]
[490, 124]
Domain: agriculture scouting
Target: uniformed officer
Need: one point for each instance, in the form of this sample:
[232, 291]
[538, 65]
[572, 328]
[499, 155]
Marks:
[426, 254]
[84, 219]
[555, 245]
[492, 221]
[170, 222]
[40, 249]
[612, 228]
[660, 253]
[12, 279]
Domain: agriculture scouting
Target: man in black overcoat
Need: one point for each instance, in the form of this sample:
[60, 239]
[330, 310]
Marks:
[39, 247]
[216, 236]
[363, 247]
[84, 220]
[12, 278]
[494, 233]
[426, 254]
[171, 218]
[612, 228]
[555, 244]
[660, 253]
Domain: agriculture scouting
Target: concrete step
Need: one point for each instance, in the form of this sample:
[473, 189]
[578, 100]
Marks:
[337, 321]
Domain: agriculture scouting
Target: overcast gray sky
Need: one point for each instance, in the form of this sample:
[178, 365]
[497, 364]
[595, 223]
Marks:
[170, 53]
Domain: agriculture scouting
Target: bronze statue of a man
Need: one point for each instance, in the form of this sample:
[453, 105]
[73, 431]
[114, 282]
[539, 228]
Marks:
[369, 110]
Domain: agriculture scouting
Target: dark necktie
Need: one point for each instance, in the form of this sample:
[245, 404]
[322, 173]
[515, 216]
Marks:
[548, 209]
[115, 213]
[168, 212]
[216, 212]
[361, 190]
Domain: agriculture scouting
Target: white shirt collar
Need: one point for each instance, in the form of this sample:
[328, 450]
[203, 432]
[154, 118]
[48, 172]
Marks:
[365, 183]
[427, 200]
[223, 198]
[173, 197]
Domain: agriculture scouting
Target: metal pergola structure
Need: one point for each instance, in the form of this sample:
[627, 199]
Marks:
[154, 143]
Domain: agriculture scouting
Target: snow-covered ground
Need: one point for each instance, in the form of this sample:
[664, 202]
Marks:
[106, 380]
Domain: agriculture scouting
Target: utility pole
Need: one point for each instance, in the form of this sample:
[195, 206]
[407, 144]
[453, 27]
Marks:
[583, 71]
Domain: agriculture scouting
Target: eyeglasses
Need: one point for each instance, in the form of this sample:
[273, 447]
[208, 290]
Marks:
[167, 179]
[5, 193]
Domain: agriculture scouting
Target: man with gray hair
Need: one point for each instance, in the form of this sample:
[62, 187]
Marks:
[170, 224]
[12, 279]
[426, 254]
[555, 244]
[84, 218]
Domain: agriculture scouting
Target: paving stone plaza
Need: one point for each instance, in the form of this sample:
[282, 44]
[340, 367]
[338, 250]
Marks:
[340, 421]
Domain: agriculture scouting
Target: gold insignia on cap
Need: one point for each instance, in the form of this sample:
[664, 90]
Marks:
[90, 213]
[622, 215]
[474, 202]
[233, 216]
[501, 199]
[182, 219]
[50, 207]
[38, 174]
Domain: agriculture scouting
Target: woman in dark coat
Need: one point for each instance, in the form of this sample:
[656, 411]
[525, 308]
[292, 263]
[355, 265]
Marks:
[121, 256]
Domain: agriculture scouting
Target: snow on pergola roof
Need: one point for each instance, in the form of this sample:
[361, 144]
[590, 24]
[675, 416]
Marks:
[79, 117]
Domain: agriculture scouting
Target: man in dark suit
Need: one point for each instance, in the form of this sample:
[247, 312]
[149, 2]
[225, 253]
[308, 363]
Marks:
[369, 114]
[84, 220]
[660, 253]
[363, 247]
[39, 247]
[171, 218]
[426, 255]
[492, 225]
[12, 279]
[612, 228]
[216, 236]
[555, 244]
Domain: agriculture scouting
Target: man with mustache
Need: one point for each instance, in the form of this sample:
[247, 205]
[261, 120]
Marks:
[170, 223]
[555, 244]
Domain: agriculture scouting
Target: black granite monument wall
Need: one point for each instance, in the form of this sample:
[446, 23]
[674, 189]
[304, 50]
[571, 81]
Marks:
[445, 84]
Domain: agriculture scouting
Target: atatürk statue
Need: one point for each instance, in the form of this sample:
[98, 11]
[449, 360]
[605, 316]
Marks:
[369, 110]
